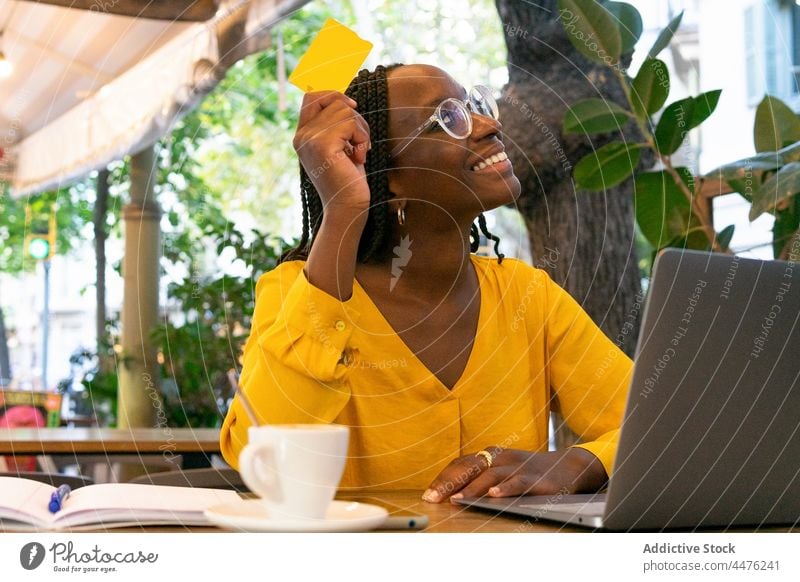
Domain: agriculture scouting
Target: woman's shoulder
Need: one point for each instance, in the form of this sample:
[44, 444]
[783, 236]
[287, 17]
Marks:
[283, 275]
[510, 270]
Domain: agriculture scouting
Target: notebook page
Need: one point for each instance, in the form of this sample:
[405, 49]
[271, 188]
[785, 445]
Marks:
[25, 500]
[110, 502]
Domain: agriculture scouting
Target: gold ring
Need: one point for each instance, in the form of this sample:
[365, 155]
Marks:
[486, 455]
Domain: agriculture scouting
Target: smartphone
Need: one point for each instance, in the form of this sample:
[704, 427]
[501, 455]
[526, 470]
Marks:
[405, 520]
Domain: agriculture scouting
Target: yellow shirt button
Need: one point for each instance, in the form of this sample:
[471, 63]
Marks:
[339, 325]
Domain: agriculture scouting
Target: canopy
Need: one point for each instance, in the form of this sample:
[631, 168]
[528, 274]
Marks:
[90, 87]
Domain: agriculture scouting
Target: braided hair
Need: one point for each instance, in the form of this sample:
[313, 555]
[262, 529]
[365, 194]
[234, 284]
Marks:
[369, 90]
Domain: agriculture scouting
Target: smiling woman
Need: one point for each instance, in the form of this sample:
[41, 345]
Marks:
[394, 175]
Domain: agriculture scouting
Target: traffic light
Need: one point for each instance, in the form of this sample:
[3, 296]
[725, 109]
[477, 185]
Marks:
[38, 247]
[40, 244]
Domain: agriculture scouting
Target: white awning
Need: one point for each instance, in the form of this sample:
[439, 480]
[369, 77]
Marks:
[89, 88]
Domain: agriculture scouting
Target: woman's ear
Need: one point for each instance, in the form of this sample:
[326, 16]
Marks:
[395, 202]
[393, 177]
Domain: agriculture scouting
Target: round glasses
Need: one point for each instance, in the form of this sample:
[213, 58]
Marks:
[454, 116]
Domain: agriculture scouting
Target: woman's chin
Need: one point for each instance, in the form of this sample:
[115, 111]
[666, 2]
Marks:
[497, 182]
[507, 191]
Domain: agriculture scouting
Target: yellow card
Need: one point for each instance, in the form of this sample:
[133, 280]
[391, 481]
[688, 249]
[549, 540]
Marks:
[332, 60]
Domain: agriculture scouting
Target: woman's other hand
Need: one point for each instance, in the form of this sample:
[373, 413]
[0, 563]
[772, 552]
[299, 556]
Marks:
[515, 472]
[332, 140]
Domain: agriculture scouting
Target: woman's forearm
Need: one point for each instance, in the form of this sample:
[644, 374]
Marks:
[331, 264]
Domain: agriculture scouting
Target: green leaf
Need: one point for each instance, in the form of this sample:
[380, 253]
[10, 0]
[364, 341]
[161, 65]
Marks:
[594, 116]
[607, 166]
[662, 210]
[592, 30]
[673, 126]
[776, 189]
[724, 237]
[704, 106]
[789, 153]
[776, 125]
[743, 188]
[665, 36]
[745, 176]
[695, 239]
[629, 22]
[760, 162]
[786, 224]
[650, 88]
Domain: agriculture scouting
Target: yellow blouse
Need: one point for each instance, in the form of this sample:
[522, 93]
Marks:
[311, 358]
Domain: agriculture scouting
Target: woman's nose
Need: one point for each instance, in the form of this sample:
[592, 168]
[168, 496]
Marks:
[484, 126]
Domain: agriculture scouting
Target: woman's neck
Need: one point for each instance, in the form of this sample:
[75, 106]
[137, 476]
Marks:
[432, 264]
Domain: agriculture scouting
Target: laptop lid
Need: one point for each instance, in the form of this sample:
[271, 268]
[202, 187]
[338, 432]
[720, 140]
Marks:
[711, 433]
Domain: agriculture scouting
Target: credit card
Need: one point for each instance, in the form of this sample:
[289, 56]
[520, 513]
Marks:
[332, 60]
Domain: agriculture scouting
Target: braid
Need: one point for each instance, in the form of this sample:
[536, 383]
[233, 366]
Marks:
[369, 90]
[475, 239]
[303, 244]
[314, 209]
[490, 236]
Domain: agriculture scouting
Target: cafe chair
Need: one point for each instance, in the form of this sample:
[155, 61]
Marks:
[208, 478]
[54, 479]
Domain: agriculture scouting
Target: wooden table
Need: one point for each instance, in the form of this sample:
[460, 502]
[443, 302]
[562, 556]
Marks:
[443, 517]
[196, 445]
[446, 517]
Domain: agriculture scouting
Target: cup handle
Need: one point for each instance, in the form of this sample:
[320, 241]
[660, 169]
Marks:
[253, 460]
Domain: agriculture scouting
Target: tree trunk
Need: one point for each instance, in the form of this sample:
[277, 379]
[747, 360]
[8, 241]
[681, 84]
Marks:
[584, 240]
[99, 219]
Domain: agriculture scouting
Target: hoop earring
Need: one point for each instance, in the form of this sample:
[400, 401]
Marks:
[401, 215]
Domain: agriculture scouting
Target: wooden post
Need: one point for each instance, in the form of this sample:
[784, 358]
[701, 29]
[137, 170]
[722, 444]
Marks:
[139, 394]
[99, 220]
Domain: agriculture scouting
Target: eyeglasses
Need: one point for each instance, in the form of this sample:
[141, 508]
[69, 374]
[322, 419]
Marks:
[453, 115]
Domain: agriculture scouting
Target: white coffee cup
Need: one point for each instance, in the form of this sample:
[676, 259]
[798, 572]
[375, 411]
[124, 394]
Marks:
[295, 468]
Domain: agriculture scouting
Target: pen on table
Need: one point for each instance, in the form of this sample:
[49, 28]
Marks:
[245, 402]
[58, 498]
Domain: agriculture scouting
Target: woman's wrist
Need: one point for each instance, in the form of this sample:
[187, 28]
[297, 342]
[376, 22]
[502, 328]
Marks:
[590, 474]
[347, 219]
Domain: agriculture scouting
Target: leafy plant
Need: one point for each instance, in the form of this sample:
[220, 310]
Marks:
[770, 180]
[201, 345]
[668, 209]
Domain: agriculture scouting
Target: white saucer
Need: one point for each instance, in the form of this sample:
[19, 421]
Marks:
[251, 515]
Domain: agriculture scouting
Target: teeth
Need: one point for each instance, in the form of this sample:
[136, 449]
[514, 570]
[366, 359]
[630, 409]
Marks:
[489, 161]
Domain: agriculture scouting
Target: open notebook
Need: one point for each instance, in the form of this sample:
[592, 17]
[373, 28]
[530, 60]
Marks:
[23, 505]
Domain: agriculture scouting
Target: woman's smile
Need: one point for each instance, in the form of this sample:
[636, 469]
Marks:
[497, 162]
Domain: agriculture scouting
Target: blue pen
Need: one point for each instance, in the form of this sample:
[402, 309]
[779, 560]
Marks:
[58, 498]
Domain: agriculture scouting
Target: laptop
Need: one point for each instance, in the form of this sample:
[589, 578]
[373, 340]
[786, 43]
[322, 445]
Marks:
[711, 432]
